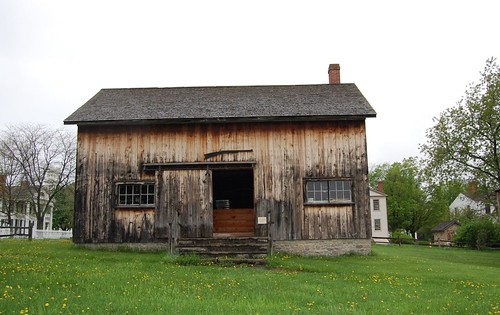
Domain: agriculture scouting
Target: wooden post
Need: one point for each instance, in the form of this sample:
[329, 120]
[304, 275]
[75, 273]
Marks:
[170, 238]
[30, 230]
[270, 234]
[498, 203]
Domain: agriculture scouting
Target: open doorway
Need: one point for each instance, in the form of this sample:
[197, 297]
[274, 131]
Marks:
[233, 198]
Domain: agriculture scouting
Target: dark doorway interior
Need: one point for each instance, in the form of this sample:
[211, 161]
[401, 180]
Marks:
[233, 213]
[235, 186]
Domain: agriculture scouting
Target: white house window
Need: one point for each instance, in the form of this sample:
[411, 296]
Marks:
[376, 204]
[328, 191]
[377, 225]
[137, 194]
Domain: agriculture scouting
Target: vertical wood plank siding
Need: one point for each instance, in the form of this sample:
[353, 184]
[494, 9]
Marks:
[185, 207]
[284, 154]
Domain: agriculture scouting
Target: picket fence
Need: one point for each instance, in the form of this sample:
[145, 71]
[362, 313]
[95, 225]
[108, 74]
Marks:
[23, 232]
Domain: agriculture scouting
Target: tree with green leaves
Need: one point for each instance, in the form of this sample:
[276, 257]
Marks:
[405, 197]
[465, 141]
[414, 203]
[439, 196]
[377, 173]
[63, 208]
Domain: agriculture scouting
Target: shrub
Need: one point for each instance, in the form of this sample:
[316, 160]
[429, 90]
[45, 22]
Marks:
[478, 233]
[401, 237]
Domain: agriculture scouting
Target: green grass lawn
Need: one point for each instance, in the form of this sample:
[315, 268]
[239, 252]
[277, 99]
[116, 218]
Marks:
[55, 277]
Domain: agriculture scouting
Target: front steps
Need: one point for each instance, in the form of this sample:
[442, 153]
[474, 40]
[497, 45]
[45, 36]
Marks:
[240, 247]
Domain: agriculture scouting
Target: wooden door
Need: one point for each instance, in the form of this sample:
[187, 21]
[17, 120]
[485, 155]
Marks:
[234, 222]
[185, 205]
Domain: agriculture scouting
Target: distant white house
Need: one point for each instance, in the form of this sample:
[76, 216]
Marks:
[473, 201]
[24, 210]
[24, 215]
[378, 207]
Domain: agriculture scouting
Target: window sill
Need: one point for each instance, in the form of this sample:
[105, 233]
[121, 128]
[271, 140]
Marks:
[320, 204]
[133, 207]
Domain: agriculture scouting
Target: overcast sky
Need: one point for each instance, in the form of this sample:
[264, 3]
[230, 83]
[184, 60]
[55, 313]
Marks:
[411, 59]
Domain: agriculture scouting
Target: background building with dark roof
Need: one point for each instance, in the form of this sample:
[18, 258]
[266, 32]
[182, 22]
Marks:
[443, 232]
[473, 200]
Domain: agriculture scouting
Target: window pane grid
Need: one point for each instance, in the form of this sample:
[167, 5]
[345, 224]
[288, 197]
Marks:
[323, 191]
[340, 190]
[136, 194]
[317, 191]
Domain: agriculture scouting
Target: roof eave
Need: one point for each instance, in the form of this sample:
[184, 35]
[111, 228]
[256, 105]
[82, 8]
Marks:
[218, 120]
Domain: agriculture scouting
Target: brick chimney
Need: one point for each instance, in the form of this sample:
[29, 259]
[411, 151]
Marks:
[334, 73]
[380, 186]
[473, 187]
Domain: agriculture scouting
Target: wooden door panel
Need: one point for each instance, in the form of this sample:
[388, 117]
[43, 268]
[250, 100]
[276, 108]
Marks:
[234, 221]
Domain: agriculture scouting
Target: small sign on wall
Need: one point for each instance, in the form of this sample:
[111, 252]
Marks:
[261, 220]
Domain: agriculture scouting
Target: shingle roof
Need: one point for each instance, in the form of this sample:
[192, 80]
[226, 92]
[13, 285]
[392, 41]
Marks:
[378, 191]
[475, 196]
[444, 225]
[229, 103]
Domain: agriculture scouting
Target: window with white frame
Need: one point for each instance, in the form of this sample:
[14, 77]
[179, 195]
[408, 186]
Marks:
[136, 194]
[376, 204]
[377, 225]
[328, 191]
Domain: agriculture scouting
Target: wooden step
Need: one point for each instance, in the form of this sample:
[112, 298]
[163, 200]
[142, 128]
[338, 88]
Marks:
[224, 247]
[222, 241]
[239, 261]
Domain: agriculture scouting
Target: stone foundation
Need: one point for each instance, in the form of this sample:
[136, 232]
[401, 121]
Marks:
[335, 247]
[136, 247]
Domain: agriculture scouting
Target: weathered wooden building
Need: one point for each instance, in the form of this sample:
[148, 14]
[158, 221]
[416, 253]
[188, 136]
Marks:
[443, 232]
[158, 164]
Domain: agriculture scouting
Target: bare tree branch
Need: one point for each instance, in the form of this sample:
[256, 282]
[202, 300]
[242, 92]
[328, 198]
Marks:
[46, 158]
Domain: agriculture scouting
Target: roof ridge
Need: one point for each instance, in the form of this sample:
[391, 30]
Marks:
[222, 86]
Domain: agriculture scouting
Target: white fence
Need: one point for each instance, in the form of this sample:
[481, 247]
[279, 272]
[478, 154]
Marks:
[52, 234]
[38, 234]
